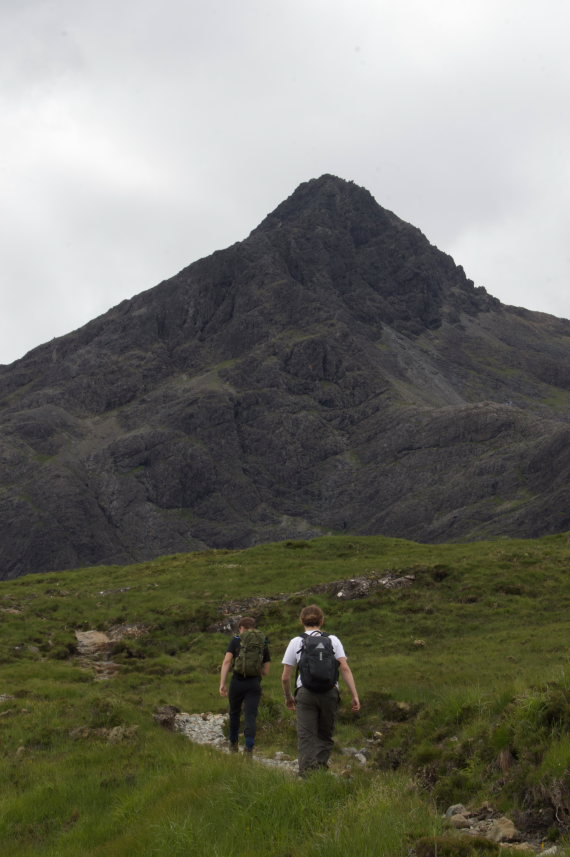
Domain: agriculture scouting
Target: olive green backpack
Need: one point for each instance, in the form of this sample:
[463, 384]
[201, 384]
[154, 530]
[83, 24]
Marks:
[249, 659]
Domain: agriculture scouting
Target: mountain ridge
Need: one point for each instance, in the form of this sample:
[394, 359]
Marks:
[333, 371]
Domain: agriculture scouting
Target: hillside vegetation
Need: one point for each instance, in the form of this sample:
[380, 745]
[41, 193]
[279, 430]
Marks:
[463, 674]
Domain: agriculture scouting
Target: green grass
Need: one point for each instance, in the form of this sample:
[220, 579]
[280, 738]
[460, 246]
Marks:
[191, 801]
[465, 674]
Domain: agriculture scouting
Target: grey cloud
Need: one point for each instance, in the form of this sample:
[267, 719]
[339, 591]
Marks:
[137, 137]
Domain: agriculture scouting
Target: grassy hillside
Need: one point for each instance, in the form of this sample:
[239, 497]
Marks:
[464, 672]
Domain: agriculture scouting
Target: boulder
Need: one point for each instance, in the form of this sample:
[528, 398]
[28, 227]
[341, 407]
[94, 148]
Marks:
[455, 809]
[503, 830]
[459, 821]
[166, 716]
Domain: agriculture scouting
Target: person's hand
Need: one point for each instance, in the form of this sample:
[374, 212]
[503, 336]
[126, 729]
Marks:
[290, 703]
[355, 703]
[223, 690]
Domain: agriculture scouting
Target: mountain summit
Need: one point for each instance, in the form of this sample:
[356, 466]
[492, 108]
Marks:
[333, 371]
[385, 269]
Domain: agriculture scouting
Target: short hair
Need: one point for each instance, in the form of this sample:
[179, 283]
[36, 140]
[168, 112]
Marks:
[246, 622]
[312, 616]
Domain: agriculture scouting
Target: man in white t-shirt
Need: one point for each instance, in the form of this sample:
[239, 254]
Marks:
[316, 710]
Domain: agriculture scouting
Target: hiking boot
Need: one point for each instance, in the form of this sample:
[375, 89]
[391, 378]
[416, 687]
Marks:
[248, 752]
[234, 747]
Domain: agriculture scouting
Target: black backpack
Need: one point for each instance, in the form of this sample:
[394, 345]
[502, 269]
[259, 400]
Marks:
[317, 666]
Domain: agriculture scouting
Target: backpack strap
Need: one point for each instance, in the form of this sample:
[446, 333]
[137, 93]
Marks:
[304, 636]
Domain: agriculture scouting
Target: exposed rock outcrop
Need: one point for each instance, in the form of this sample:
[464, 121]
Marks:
[345, 590]
[95, 648]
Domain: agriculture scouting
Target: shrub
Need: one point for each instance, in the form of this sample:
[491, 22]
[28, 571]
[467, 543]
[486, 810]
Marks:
[105, 713]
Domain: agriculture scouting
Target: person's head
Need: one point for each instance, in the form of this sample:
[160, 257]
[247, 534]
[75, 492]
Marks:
[312, 616]
[246, 623]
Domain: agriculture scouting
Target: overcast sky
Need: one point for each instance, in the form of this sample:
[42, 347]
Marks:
[139, 135]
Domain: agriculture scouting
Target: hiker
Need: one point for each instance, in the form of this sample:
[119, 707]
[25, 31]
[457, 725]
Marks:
[318, 658]
[248, 656]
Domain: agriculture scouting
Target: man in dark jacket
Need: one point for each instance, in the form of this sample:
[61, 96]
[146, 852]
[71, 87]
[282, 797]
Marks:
[244, 691]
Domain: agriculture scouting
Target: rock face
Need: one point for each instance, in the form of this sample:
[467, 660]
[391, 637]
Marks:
[334, 371]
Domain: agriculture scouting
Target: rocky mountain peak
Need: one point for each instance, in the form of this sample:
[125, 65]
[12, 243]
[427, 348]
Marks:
[332, 236]
[328, 202]
[332, 371]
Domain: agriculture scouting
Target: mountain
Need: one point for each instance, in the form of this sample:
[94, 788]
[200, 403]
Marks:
[333, 371]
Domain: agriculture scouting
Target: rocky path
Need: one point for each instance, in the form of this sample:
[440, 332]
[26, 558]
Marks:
[208, 729]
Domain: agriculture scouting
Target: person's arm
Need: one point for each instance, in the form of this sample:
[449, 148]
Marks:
[349, 679]
[286, 682]
[265, 668]
[226, 667]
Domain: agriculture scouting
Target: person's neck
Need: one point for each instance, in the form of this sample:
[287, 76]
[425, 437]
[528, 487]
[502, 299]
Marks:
[312, 627]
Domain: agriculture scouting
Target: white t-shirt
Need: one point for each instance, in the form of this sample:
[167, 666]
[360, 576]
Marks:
[293, 651]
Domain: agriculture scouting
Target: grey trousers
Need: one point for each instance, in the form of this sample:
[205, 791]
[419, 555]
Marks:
[316, 720]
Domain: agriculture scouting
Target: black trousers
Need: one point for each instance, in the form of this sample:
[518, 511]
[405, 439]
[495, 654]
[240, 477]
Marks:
[244, 693]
